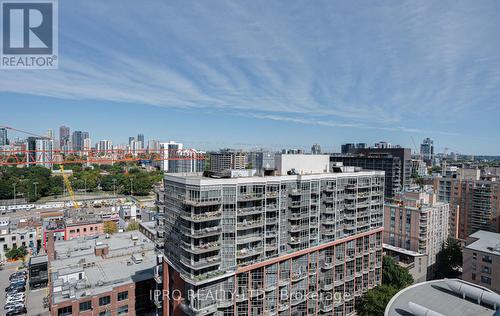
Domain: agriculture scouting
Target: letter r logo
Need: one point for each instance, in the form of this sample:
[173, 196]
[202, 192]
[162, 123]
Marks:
[27, 28]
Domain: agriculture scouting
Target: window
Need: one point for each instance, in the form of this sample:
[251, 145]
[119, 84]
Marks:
[474, 255]
[65, 311]
[105, 313]
[105, 300]
[122, 296]
[85, 229]
[85, 306]
[91, 228]
[22, 237]
[485, 280]
[487, 259]
[473, 277]
[487, 270]
[123, 310]
[72, 231]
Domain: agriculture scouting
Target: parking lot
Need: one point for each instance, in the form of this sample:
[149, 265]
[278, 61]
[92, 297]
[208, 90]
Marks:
[34, 303]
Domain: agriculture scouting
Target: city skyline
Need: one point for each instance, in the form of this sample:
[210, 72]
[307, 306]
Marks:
[326, 74]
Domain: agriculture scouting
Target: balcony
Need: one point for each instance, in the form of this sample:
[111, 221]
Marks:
[246, 253]
[294, 241]
[248, 239]
[201, 264]
[249, 224]
[202, 233]
[203, 203]
[326, 286]
[250, 196]
[205, 217]
[272, 194]
[202, 248]
[249, 210]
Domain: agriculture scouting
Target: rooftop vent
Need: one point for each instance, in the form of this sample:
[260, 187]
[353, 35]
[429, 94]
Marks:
[419, 310]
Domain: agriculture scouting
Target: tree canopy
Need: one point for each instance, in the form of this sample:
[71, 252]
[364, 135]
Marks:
[449, 260]
[394, 278]
[105, 177]
[110, 227]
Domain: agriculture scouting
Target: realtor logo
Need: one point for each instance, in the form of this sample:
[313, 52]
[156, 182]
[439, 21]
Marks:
[29, 34]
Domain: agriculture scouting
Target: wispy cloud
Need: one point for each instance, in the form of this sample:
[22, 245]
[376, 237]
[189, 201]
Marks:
[391, 66]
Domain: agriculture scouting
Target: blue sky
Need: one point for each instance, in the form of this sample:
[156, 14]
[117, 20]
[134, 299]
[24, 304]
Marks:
[270, 73]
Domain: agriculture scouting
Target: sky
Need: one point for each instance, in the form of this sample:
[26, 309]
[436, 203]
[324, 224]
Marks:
[272, 74]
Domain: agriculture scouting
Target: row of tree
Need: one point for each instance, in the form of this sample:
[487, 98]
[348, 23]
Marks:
[36, 181]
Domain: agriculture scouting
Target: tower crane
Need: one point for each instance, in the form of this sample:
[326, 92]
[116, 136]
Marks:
[67, 183]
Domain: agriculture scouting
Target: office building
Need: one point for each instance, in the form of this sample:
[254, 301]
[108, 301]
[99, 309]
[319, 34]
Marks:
[481, 260]
[3, 137]
[427, 151]
[77, 140]
[414, 220]
[140, 138]
[316, 149]
[154, 146]
[108, 275]
[44, 152]
[251, 239]
[450, 297]
[395, 162]
[350, 148]
[474, 204]
[225, 160]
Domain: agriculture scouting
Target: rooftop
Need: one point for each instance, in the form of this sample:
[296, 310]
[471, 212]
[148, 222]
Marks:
[104, 262]
[486, 242]
[198, 178]
[441, 296]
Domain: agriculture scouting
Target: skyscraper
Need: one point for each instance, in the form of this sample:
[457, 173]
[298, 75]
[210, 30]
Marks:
[235, 245]
[64, 137]
[78, 138]
[3, 137]
[316, 149]
[427, 150]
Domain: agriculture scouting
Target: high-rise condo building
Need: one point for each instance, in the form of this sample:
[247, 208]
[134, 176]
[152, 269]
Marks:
[77, 140]
[3, 137]
[64, 137]
[474, 203]
[395, 161]
[308, 243]
[427, 150]
[225, 160]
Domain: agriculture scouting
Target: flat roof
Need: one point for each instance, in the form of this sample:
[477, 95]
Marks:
[199, 179]
[437, 296]
[486, 242]
[100, 274]
[403, 251]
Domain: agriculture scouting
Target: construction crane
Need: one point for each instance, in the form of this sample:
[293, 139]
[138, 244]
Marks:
[416, 149]
[16, 156]
[67, 183]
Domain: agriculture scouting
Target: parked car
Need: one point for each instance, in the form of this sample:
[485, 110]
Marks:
[16, 311]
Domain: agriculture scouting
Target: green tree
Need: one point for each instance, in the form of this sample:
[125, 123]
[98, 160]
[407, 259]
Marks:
[395, 275]
[449, 259]
[110, 227]
[16, 253]
[374, 301]
[133, 225]
[394, 278]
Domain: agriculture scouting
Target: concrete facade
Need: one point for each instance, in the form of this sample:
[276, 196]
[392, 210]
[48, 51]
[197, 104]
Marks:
[252, 238]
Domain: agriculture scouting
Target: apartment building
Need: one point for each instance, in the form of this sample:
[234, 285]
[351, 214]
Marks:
[481, 260]
[225, 160]
[108, 275]
[416, 221]
[301, 244]
[395, 162]
[474, 204]
[13, 237]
